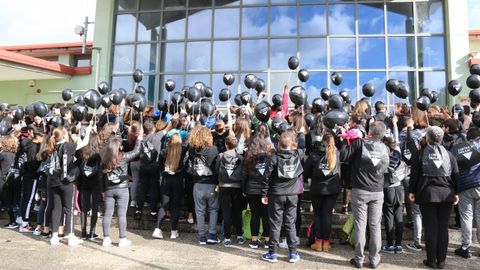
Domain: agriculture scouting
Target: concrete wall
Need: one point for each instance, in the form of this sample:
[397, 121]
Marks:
[475, 45]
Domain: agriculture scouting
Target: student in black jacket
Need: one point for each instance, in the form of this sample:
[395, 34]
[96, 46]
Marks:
[258, 169]
[434, 186]
[282, 195]
[323, 168]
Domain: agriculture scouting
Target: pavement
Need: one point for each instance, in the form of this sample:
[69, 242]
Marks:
[25, 251]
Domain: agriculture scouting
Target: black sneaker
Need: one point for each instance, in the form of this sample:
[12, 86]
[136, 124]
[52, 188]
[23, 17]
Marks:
[92, 236]
[429, 264]
[345, 210]
[455, 227]
[414, 246]
[441, 265]
[465, 253]
[409, 225]
[356, 264]
[137, 215]
[61, 236]
[84, 235]
[12, 225]
[254, 244]
[45, 235]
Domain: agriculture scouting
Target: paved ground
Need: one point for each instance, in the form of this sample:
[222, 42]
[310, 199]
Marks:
[21, 251]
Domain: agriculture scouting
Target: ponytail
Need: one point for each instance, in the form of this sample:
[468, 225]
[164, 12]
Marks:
[51, 145]
[330, 152]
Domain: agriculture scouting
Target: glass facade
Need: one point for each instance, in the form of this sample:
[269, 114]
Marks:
[199, 40]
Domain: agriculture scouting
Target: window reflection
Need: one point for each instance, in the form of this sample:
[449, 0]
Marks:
[378, 80]
[125, 28]
[149, 82]
[278, 81]
[125, 5]
[434, 80]
[147, 57]
[227, 22]
[225, 55]
[199, 22]
[190, 79]
[217, 85]
[280, 51]
[200, 3]
[173, 24]
[150, 4]
[313, 20]
[255, 21]
[400, 18]
[125, 82]
[148, 27]
[173, 57]
[123, 58]
[342, 53]
[408, 78]
[430, 17]
[371, 53]
[254, 2]
[341, 19]
[283, 21]
[315, 83]
[313, 53]
[198, 56]
[401, 52]
[370, 18]
[226, 3]
[349, 84]
[431, 52]
[243, 88]
[254, 54]
[174, 4]
[178, 79]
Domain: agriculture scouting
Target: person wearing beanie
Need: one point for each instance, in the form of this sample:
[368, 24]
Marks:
[434, 187]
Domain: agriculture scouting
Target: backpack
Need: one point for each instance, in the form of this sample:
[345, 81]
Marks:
[288, 169]
[57, 166]
[229, 170]
[200, 167]
[148, 154]
[115, 176]
[87, 170]
[398, 174]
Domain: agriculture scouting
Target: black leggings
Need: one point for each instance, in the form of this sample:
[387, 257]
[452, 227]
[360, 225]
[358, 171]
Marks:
[322, 208]
[258, 210]
[231, 203]
[29, 188]
[393, 214]
[171, 197]
[149, 183]
[63, 198]
[43, 207]
[189, 193]
[90, 201]
[435, 218]
[298, 221]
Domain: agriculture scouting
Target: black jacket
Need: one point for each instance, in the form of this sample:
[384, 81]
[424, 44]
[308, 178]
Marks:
[229, 169]
[451, 139]
[286, 186]
[209, 154]
[31, 163]
[322, 184]
[91, 173]
[118, 177]
[255, 178]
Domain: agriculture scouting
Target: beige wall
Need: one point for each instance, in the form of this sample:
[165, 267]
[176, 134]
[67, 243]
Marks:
[475, 45]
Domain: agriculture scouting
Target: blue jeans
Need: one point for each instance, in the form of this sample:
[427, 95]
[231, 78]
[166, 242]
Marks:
[206, 199]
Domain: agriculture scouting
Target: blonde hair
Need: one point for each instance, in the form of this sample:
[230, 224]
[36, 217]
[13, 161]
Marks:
[242, 126]
[9, 143]
[330, 151]
[200, 137]
[58, 134]
[174, 152]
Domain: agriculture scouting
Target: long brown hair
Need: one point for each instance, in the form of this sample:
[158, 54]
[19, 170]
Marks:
[257, 146]
[107, 130]
[419, 117]
[111, 154]
[58, 134]
[298, 122]
[42, 152]
[92, 147]
[174, 152]
[330, 151]
[242, 126]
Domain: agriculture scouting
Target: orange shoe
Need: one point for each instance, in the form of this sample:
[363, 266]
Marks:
[317, 246]
[327, 246]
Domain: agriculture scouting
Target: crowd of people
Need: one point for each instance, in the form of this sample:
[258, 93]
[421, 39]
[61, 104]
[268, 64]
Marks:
[214, 166]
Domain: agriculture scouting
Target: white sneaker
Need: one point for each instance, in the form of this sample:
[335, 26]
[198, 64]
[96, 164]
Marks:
[124, 242]
[190, 221]
[174, 235]
[283, 244]
[37, 232]
[157, 233]
[19, 220]
[107, 241]
[54, 241]
[74, 241]
[133, 204]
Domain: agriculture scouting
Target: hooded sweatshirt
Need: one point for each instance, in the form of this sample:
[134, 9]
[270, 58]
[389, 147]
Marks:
[287, 169]
[201, 164]
[229, 169]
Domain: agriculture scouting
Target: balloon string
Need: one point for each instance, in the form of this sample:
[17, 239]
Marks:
[95, 117]
[169, 98]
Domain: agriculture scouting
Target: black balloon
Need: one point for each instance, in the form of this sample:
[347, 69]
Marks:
[162, 105]
[79, 100]
[260, 87]
[277, 100]
[201, 87]
[344, 94]
[434, 97]
[116, 97]
[30, 110]
[309, 119]
[423, 103]
[67, 94]
[3, 106]
[177, 97]
[40, 108]
[245, 98]
[123, 92]
[262, 111]
[298, 95]
[170, 85]
[425, 92]
[403, 90]
[335, 118]
[103, 88]
[335, 101]
[318, 105]
[276, 123]
[140, 90]
[138, 102]
[207, 108]
[238, 100]
[475, 69]
[137, 75]
[57, 121]
[18, 113]
[228, 79]
[293, 62]
[3, 129]
[457, 108]
[473, 81]
[208, 92]
[303, 75]
[192, 107]
[128, 99]
[93, 99]
[193, 94]
[185, 91]
[250, 81]
[454, 87]
[106, 102]
[224, 95]
[392, 85]
[325, 93]
[79, 112]
[336, 78]
[474, 95]
[368, 89]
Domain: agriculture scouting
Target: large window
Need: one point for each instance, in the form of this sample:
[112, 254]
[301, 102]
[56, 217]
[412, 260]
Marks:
[199, 40]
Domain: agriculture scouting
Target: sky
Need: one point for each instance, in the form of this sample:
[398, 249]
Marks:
[473, 14]
[43, 21]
